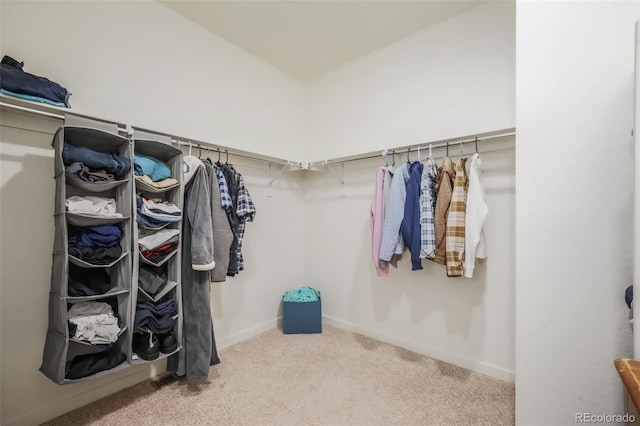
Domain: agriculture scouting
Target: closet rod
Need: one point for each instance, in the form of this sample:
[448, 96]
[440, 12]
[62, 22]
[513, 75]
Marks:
[55, 112]
[424, 147]
[224, 151]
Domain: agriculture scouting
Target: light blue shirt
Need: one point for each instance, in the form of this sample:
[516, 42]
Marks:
[392, 242]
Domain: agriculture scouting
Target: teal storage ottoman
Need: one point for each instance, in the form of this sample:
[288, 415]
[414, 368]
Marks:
[302, 317]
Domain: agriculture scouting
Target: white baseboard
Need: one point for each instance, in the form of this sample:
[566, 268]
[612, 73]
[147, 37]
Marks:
[57, 408]
[247, 334]
[469, 364]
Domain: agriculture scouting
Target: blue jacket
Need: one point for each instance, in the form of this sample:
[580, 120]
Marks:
[411, 221]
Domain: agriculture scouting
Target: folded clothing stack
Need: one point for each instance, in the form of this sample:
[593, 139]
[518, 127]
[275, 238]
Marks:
[15, 82]
[157, 317]
[99, 245]
[88, 281]
[93, 322]
[152, 279]
[156, 246]
[302, 294]
[152, 172]
[94, 166]
[156, 213]
[92, 206]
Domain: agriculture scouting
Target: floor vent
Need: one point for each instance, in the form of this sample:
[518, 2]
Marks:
[164, 380]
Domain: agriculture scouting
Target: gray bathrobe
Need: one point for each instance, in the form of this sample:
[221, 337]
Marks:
[198, 346]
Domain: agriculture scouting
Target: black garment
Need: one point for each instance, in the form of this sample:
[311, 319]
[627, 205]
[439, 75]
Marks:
[14, 79]
[86, 365]
[97, 256]
[87, 282]
[152, 279]
[232, 215]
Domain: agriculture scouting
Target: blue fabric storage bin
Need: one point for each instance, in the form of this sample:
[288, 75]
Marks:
[302, 317]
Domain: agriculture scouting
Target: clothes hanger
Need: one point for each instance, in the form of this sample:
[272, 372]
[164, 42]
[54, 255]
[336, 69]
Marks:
[189, 147]
[408, 162]
[393, 157]
[419, 154]
[430, 152]
[476, 144]
[447, 149]
[227, 160]
[461, 150]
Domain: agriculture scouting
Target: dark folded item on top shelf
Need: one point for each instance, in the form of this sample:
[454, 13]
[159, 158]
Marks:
[159, 253]
[87, 365]
[14, 79]
[116, 164]
[152, 279]
[82, 172]
[88, 282]
[156, 316]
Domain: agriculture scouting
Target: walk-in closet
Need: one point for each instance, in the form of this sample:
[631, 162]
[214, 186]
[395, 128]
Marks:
[244, 152]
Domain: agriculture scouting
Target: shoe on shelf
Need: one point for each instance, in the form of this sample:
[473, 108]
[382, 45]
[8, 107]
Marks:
[146, 345]
[168, 342]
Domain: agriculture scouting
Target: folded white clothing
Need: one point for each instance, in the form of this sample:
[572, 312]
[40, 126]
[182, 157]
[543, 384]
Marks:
[152, 240]
[96, 329]
[95, 206]
[160, 206]
[89, 308]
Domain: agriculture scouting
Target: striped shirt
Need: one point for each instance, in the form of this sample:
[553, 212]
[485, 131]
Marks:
[455, 221]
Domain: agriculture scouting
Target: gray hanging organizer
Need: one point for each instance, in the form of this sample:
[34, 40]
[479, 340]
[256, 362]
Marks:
[67, 359]
[160, 148]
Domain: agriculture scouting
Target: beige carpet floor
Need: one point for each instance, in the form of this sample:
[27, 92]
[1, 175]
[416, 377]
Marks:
[333, 378]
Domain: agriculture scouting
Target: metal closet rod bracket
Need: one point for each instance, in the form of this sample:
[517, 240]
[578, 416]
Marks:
[339, 176]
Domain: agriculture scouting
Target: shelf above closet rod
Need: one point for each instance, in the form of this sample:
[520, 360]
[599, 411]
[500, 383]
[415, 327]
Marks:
[453, 143]
[60, 113]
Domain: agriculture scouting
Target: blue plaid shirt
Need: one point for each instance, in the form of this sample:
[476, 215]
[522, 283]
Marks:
[428, 196]
[246, 211]
[225, 197]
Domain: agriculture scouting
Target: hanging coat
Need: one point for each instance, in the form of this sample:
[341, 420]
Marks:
[428, 197]
[455, 221]
[477, 210]
[392, 242]
[444, 186]
[222, 234]
[411, 220]
[199, 350]
[376, 217]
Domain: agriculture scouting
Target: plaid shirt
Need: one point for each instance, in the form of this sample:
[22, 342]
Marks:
[225, 197]
[455, 221]
[246, 211]
[428, 196]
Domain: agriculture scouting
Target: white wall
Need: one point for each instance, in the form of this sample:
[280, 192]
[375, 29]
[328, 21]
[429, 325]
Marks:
[161, 71]
[575, 63]
[140, 63]
[453, 79]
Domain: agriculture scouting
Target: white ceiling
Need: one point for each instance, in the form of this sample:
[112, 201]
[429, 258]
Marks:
[307, 38]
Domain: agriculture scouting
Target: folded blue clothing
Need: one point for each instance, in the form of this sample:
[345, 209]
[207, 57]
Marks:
[157, 317]
[94, 236]
[302, 294]
[116, 164]
[32, 98]
[14, 79]
[154, 168]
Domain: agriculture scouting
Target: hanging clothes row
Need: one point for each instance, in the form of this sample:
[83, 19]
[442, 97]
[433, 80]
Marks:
[437, 213]
[217, 206]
